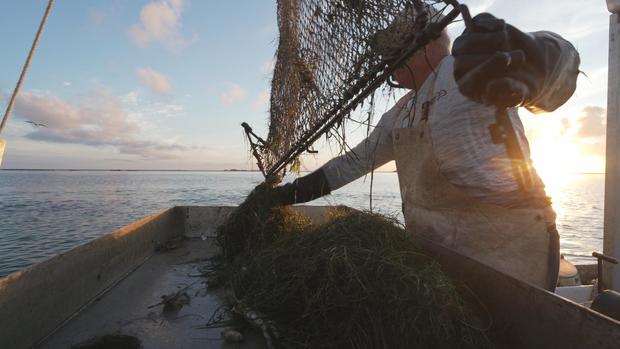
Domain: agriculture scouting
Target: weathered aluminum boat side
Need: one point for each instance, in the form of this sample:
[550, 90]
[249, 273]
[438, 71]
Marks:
[114, 285]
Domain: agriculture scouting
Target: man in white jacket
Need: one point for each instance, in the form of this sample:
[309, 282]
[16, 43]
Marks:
[458, 186]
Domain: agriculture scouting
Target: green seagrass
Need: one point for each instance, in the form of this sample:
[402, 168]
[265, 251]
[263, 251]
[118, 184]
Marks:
[357, 281]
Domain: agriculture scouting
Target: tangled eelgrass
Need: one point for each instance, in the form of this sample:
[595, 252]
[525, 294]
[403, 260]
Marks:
[256, 223]
[357, 281]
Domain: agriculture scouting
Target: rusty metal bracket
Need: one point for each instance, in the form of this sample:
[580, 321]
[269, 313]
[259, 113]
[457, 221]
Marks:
[256, 142]
[599, 267]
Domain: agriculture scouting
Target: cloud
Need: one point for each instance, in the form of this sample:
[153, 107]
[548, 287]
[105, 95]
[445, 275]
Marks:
[261, 100]
[595, 147]
[592, 124]
[235, 93]
[130, 98]
[98, 16]
[267, 66]
[102, 13]
[96, 120]
[478, 6]
[49, 110]
[160, 21]
[155, 81]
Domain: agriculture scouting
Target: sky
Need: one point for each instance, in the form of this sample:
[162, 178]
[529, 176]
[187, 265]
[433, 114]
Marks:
[165, 84]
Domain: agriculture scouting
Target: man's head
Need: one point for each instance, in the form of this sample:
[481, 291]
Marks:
[419, 66]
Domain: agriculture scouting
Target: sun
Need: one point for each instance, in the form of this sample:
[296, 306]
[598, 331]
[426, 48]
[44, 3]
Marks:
[556, 150]
[557, 158]
[553, 160]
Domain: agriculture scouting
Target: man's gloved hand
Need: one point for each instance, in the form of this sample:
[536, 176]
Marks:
[497, 64]
[303, 189]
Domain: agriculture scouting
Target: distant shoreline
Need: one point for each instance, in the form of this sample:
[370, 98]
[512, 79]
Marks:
[115, 170]
[222, 170]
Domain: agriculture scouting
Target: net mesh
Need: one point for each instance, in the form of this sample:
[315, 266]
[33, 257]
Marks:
[332, 54]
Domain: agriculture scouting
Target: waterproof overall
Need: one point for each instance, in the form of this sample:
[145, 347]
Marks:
[522, 243]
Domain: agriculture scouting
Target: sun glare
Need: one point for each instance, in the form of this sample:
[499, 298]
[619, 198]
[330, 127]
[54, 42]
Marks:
[557, 151]
[555, 159]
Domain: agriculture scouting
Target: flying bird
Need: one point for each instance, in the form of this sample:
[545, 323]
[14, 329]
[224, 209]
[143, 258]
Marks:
[36, 124]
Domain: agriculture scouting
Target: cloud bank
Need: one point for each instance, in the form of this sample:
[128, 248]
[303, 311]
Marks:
[96, 120]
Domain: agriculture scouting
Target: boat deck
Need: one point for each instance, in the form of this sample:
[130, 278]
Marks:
[134, 306]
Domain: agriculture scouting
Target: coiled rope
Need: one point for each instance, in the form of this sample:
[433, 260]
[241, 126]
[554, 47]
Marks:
[9, 107]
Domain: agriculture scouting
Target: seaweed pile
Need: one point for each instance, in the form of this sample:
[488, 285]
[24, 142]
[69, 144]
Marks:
[357, 281]
[256, 223]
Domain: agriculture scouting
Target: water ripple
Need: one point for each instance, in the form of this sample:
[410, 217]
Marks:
[43, 213]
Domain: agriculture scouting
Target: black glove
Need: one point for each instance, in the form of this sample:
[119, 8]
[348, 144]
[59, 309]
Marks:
[497, 64]
[303, 189]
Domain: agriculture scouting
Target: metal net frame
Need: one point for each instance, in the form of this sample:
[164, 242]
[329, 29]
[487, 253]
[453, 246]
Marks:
[331, 56]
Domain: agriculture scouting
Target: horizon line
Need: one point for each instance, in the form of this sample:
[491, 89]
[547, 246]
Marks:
[168, 170]
[123, 169]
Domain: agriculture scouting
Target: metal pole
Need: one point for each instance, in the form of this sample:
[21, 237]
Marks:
[611, 242]
[33, 48]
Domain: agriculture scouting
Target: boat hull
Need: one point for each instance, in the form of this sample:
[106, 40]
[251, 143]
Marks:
[114, 284]
[521, 315]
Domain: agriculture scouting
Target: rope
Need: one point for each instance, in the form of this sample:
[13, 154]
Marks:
[9, 108]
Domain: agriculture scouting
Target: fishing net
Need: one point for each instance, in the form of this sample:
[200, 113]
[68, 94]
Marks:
[359, 280]
[332, 54]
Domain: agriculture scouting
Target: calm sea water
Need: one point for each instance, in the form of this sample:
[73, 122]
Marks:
[43, 213]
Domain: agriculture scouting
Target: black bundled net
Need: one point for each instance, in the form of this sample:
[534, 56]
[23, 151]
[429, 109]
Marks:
[332, 54]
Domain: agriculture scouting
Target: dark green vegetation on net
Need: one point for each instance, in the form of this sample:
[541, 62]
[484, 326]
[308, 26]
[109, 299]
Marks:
[256, 223]
[357, 281]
